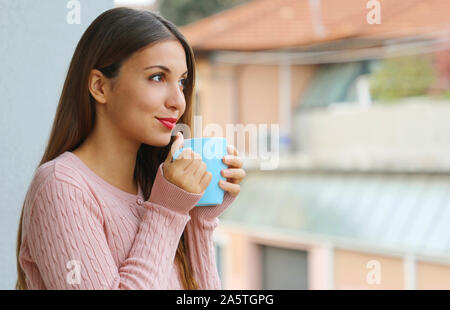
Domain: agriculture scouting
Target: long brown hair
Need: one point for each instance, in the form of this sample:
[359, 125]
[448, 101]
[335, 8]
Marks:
[106, 44]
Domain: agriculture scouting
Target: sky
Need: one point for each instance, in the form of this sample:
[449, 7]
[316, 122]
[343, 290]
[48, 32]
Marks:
[134, 2]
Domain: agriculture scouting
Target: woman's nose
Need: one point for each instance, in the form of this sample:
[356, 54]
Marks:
[176, 99]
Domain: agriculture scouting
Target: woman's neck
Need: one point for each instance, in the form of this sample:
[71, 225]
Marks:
[117, 169]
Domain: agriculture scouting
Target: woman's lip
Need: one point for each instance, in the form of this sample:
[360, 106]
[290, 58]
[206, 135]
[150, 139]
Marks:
[170, 119]
[168, 124]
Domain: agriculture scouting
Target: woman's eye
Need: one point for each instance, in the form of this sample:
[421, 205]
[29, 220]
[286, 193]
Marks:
[154, 76]
[183, 82]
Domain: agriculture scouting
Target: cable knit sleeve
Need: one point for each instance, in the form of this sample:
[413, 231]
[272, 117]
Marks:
[67, 241]
[199, 233]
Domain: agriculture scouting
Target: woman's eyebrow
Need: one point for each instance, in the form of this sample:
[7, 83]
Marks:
[163, 68]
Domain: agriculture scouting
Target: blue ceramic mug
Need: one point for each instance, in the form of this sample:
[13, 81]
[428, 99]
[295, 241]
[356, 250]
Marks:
[212, 151]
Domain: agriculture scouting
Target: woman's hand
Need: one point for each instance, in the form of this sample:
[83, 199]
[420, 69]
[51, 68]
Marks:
[231, 186]
[188, 171]
[234, 174]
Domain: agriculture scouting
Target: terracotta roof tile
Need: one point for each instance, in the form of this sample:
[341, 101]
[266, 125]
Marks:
[275, 24]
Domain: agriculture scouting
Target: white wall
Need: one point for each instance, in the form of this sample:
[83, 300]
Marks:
[411, 135]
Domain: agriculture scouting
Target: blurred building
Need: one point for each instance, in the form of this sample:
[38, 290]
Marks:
[361, 196]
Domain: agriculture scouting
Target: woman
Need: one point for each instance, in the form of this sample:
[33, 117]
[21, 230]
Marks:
[108, 208]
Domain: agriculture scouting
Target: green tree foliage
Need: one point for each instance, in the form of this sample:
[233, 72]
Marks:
[403, 77]
[183, 12]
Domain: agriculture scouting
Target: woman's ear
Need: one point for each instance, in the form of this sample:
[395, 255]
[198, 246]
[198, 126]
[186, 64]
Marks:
[98, 86]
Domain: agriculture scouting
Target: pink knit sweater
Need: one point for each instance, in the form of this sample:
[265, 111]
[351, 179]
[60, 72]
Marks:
[81, 232]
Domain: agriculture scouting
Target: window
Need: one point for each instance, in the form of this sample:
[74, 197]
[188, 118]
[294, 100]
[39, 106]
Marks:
[284, 269]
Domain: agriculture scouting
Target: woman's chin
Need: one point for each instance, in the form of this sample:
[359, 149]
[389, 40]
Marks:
[162, 140]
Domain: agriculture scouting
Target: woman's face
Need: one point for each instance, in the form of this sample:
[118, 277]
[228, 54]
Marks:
[142, 94]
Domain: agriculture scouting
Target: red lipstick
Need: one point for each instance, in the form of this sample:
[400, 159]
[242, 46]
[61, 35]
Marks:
[169, 122]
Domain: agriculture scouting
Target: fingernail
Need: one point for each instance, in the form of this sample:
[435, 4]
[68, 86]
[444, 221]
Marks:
[226, 173]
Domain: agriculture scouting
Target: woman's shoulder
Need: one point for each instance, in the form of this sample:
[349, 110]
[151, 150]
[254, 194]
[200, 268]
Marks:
[56, 181]
[61, 170]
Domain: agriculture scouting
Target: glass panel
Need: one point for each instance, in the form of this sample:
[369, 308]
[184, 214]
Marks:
[284, 269]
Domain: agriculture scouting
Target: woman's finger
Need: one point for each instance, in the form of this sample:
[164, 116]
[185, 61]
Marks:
[232, 150]
[234, 173]
[232, 161]
[233, 189]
